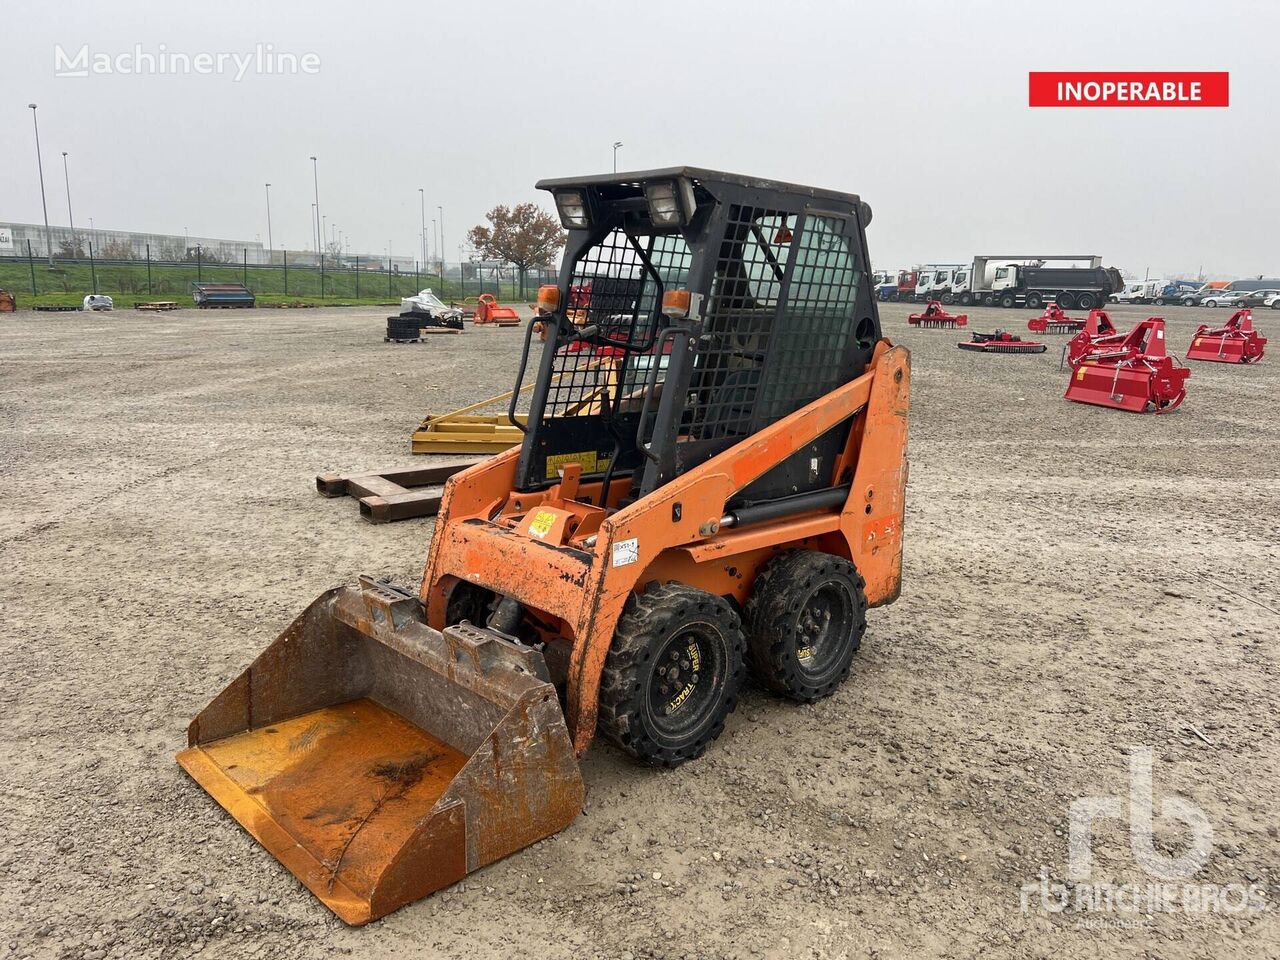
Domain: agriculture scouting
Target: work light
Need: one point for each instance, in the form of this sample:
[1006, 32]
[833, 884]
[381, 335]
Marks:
[671, 202]
[572, 205]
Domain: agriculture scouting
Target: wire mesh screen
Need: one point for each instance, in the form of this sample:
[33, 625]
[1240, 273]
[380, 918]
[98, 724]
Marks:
[819, 319]
[743, 307]
[760, 358]
[617, 287]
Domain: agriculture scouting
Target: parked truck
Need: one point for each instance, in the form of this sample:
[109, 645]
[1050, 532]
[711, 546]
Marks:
[1025, 280]
[1069, 287]
[904, 288]
[935, 282]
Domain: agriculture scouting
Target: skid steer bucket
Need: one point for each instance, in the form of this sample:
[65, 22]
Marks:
[380, 760]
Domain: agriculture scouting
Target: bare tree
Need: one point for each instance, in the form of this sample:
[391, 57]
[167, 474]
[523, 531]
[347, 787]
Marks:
[524, 235]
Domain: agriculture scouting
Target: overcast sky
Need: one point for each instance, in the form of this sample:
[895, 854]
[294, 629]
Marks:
[920, 107]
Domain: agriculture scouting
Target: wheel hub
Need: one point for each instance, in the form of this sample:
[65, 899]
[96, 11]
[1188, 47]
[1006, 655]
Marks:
[678, 672]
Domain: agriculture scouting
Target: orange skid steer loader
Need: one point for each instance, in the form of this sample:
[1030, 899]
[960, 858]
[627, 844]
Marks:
[711, 482]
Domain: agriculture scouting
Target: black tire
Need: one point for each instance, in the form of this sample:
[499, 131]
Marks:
[1276, 305]
[947, 299]
[893, 297]
[467, 601]
[805, 619]
[1086, 301]
[1189, 302]
[1035, 301]
[966, 299]
[1158, 301]
[1008, 300]
[401, 329]
[667, 717]
[1066, 301]
[988, 299]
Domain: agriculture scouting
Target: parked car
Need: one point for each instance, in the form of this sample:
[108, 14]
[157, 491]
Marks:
[1223, 298]
[1273, 302]
[1259, 298]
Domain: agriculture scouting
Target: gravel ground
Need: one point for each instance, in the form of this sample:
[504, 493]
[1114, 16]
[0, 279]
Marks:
[1078, 582]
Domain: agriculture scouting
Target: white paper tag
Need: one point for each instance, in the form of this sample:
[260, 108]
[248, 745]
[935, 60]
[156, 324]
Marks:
[626, 551]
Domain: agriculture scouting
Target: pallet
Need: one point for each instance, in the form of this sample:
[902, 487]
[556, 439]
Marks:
[422, 337]
[390, 495]
[157, 306]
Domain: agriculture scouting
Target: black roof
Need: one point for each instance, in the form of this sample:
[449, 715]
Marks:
[631, 178]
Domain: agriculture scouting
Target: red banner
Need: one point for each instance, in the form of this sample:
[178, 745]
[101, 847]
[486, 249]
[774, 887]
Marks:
[1129, 89]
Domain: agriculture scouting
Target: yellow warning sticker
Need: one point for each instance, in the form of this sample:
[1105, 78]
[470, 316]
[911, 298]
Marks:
[541, 523]
[590, 461]
[1080, 374]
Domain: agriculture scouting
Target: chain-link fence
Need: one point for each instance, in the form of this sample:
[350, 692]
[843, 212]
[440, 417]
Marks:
[295, 275]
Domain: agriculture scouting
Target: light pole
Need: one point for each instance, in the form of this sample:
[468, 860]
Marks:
[48, 237]
[616, 145]
[440, 212]
[315, 178]
[67, 179]
[270, 246]
[422, 203]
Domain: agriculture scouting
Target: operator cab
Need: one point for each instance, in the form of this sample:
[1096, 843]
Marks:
[694, 308]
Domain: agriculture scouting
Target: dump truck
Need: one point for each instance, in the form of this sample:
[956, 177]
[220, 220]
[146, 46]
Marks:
[710, 483]
[1015, 280]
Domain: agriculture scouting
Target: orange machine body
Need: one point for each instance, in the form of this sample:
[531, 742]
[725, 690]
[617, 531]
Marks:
[573, 564]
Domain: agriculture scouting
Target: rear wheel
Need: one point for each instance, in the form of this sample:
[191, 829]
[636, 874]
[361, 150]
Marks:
[1066, 301]
[1035, 301]
[805, 620]
[672, 674]
[1159, 301]
[988, 299]
[1008, 300]
[1086, 301]
[966, 299]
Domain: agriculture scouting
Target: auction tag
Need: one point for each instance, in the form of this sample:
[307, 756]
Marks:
[626, 551]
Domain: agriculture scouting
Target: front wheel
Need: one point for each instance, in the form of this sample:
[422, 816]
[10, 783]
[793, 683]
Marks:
[805, 619]
[1008, 300]
[672, 674]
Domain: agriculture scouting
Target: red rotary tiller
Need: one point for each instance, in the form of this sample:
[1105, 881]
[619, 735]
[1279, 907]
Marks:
[935, 316]
[1001, 342]
[1125, 371]
[1055, 320]
[1237, 342]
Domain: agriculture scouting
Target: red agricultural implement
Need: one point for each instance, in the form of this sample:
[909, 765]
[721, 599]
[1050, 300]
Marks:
[1126, 371]
[1055, 320]
[1237, 342]
[935, 316]
[1001, 342]
[488, 310]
